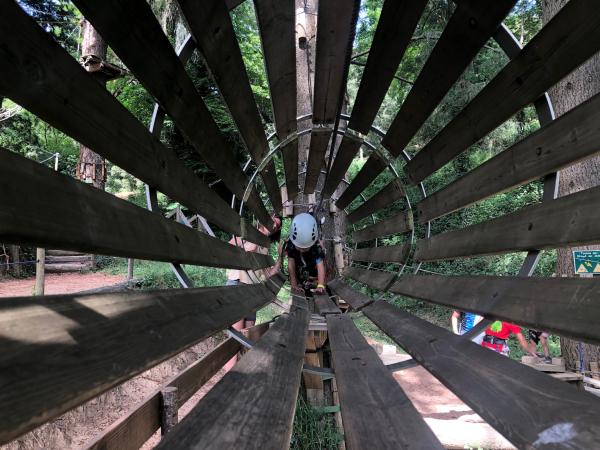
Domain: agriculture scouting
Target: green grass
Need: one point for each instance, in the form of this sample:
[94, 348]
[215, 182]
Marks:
[314, 429]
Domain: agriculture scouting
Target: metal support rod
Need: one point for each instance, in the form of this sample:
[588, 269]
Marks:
[235, 334]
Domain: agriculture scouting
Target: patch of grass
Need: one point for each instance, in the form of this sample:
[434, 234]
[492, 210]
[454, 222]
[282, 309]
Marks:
[314, 429]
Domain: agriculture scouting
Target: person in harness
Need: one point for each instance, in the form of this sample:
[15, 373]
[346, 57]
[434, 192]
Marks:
[497, 334]
[306, 257]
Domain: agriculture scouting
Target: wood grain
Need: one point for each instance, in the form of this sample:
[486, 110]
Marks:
[252, 407]
[400, 223]
[346, 152]
[373, 167]
[63, 213]
[375, 279]
[543, 412]
[355, 299]
[392, 253]
[325, 306]
[375, 411]
[389, 194]
[319, 141]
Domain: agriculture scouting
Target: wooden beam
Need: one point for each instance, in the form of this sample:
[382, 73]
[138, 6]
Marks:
[253, 405]
[63, 213]
[392, 253]
[139, 424]
[132, 31]
[566, 42]
[276, 23]
[375, 411]
[373, 167]
[400, 223]
[543, 411]
[61, 93]
[319, 141]
[564, 141]
[566, 306]
[60, 351]
[346, 152]
[355, 299]
[324, 305]
[389, 194]
[565, 222]
[373, 278]
[213, 31]
[335, 33]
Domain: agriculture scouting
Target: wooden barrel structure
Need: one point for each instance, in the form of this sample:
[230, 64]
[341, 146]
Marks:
[58, 352]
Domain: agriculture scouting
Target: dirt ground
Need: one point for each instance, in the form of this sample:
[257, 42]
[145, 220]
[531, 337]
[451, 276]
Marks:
[58, 283]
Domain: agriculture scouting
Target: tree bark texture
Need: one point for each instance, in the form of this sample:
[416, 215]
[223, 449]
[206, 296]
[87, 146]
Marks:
[91, 167]
[574, 89]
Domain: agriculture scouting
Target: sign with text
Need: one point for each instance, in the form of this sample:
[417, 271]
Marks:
[586, 261]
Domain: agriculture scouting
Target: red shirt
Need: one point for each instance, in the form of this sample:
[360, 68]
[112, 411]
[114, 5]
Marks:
[506, 330]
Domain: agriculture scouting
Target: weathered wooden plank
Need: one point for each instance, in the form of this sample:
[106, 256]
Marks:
[319, 141]
[213, 31]
[392, 192]
[565, 222]
[392, 253]
[63, 213]
[335, 33]
[375, 411]
[252, 407]
[566, 306]
[564, 141]
[567, 41]
[61, 93]
[346, 152]
[355, 299]
[373, 167]
[139, 424]
[132, 31]
[59, 351]
[544, 412]
[375, 279]
[325, 305]
[400, 223]
[289, 154]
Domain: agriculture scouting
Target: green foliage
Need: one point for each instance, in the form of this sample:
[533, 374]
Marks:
[313, 429]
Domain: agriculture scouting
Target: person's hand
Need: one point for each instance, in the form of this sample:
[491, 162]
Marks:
[296, 288]
[320, 289]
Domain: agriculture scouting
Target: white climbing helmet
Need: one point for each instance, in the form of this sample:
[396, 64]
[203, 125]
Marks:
[304, 231]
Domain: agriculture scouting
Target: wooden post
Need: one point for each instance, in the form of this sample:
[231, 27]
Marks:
[288, 208]
[338, 250]
[40, 271]
[130, 268]
[169, 407]
[14, 254]
[594, 369]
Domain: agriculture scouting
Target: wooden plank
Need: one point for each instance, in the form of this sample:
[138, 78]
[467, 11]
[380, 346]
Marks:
[132, 31]
[472, 25]
[544, 412]
[392, 253]
[61, 93]
[319, 141]
[564, 141]
[60, 351]
[392, 192]
[375, 411]
[400, 223]
[252, 407]
[355, 299]
[325, 305]
[63, 213]
[565, 222]
[222, 54]
[565, 306]
[373, 167]
[289, 154]
[346, 152]
[139, 424]
[335, 33]
[566, 42]
[373, 278]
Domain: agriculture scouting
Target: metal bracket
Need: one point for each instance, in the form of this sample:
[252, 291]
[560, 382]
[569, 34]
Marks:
[325, 373]
[235, 334]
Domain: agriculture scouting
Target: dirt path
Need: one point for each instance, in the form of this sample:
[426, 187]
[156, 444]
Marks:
[58, 283]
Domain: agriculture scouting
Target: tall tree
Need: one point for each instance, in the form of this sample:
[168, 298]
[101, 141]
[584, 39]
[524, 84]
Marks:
[91, 167]
[574, 89]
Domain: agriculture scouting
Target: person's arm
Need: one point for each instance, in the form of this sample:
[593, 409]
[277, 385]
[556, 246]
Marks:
[293, 276]
[524, 344]
[455, 318]
[320, 277]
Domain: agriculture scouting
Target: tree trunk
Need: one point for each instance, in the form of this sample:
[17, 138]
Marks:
[91, 167]
[574, 89]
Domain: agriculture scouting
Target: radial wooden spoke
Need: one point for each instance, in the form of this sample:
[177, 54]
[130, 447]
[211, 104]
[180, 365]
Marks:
[319, 141]
[355, 299]
[392, 192]
[491, 383]
[59, 214]
[564, 141]
[345, 154]
[376, 279]
[65, 96]
[131, 29]
[566, 42]
[400, 223]
[566, 222]
[393, 253]
[373, 167]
